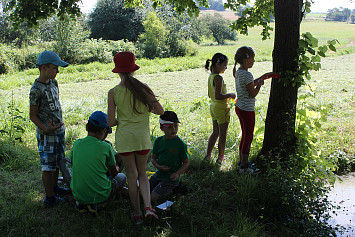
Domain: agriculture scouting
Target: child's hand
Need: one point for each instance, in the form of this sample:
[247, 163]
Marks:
[260, 82]
[164, 168]
[52, 127]
[174, 177]
[269, 75]
[232, 95]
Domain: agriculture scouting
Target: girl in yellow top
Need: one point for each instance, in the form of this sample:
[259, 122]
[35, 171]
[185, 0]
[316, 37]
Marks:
[132, 101]
[219, 108]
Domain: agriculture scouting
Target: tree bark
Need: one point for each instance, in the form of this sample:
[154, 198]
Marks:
[279, 137]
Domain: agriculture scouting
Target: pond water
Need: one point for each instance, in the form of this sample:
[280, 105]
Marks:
[343, 195]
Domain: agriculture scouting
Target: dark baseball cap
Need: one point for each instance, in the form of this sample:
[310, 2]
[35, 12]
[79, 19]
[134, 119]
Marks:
[99, 119]
[168, 117]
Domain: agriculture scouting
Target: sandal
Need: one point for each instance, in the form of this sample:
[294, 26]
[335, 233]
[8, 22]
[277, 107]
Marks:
[220, 162]
[138, 220]
[150, 215]
[207, 158]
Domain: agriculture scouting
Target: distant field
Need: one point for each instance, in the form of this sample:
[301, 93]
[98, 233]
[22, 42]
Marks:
[230, 15]
[319, 16]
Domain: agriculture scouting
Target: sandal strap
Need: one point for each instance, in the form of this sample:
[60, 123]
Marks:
[149, 208]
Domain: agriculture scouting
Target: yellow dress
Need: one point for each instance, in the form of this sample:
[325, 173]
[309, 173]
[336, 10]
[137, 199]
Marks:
[132, 132]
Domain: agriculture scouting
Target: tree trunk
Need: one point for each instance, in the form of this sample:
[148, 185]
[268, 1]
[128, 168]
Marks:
[279, 137]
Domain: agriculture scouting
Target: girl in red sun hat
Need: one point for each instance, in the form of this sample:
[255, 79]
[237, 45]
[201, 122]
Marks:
[129, 106]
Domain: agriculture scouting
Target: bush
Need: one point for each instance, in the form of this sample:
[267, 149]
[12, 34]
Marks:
[13, 59]
[5, 56]
[153, 39]
[179, 47]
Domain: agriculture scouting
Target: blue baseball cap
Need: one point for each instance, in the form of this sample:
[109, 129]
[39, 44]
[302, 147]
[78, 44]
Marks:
[50, 57]
[99, 119]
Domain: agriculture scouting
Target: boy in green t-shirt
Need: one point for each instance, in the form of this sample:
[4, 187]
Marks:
[169, 156]
[92, 158]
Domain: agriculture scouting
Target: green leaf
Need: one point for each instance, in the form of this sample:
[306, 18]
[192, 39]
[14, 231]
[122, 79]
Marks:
[302, 43]
[332, 47]
[311, 51]
[321, 54]
[302, 112]
[323, 48]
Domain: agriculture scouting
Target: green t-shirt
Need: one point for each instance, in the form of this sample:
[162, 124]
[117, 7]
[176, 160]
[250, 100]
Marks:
[90, 157]
[170, 153]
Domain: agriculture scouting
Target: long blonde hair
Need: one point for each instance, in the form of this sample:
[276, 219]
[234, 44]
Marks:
[139, 90]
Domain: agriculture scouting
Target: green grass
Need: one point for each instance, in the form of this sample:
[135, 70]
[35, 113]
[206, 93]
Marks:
[230, 203]
[220, 202]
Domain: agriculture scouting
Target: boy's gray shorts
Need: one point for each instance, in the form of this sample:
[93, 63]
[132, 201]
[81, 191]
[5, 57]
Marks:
[162, 187]
[117, 182]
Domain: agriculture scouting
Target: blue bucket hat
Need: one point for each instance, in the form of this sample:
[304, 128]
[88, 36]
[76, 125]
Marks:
[99, 119]
[50, 57]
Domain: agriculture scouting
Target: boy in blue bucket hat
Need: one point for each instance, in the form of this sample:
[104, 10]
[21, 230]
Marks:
[46, 114]
[92, 158]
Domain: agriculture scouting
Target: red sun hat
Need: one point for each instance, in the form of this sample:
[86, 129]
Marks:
[124, 62]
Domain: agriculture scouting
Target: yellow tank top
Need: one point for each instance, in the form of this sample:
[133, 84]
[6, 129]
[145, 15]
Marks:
[211, 90]
[132, 132]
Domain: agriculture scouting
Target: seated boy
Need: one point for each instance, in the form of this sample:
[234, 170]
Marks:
[92, 158]
[169, 156]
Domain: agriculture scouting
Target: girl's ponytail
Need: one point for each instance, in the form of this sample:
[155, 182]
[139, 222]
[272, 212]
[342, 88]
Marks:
[235, 68]
[217, 58]
[207, 65]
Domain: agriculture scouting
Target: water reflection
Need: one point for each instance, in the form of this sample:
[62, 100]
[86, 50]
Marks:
[343, 195]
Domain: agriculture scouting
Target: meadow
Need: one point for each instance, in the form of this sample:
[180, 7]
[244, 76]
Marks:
[221, 202]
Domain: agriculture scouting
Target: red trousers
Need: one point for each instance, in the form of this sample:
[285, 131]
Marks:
[247, 123]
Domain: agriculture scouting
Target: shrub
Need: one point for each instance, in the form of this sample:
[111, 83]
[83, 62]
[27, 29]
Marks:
[7, 53]
[179, 47]
[153, 39]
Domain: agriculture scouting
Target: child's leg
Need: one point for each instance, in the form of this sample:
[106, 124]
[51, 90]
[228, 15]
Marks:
[141, 161]
[47, 179]
[144, 188]
[153, 182]
[247, 121]
[213, 138]
[222, 140]
[132, 176]
[55, 175]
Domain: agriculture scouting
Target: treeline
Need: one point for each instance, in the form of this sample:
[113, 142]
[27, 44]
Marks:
[342, 14]
[110, 28]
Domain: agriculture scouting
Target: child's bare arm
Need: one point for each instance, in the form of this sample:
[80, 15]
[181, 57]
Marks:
[157, 107]
[185, 165]
[157, 165]
[218, 83]
[111, 113]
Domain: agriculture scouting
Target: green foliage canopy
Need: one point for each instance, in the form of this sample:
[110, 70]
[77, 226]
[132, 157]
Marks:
[111, 20]
[35, 10]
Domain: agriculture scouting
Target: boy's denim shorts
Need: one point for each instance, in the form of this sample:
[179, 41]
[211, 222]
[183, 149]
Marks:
[117, 183]
[51, 150]
[162, 187]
